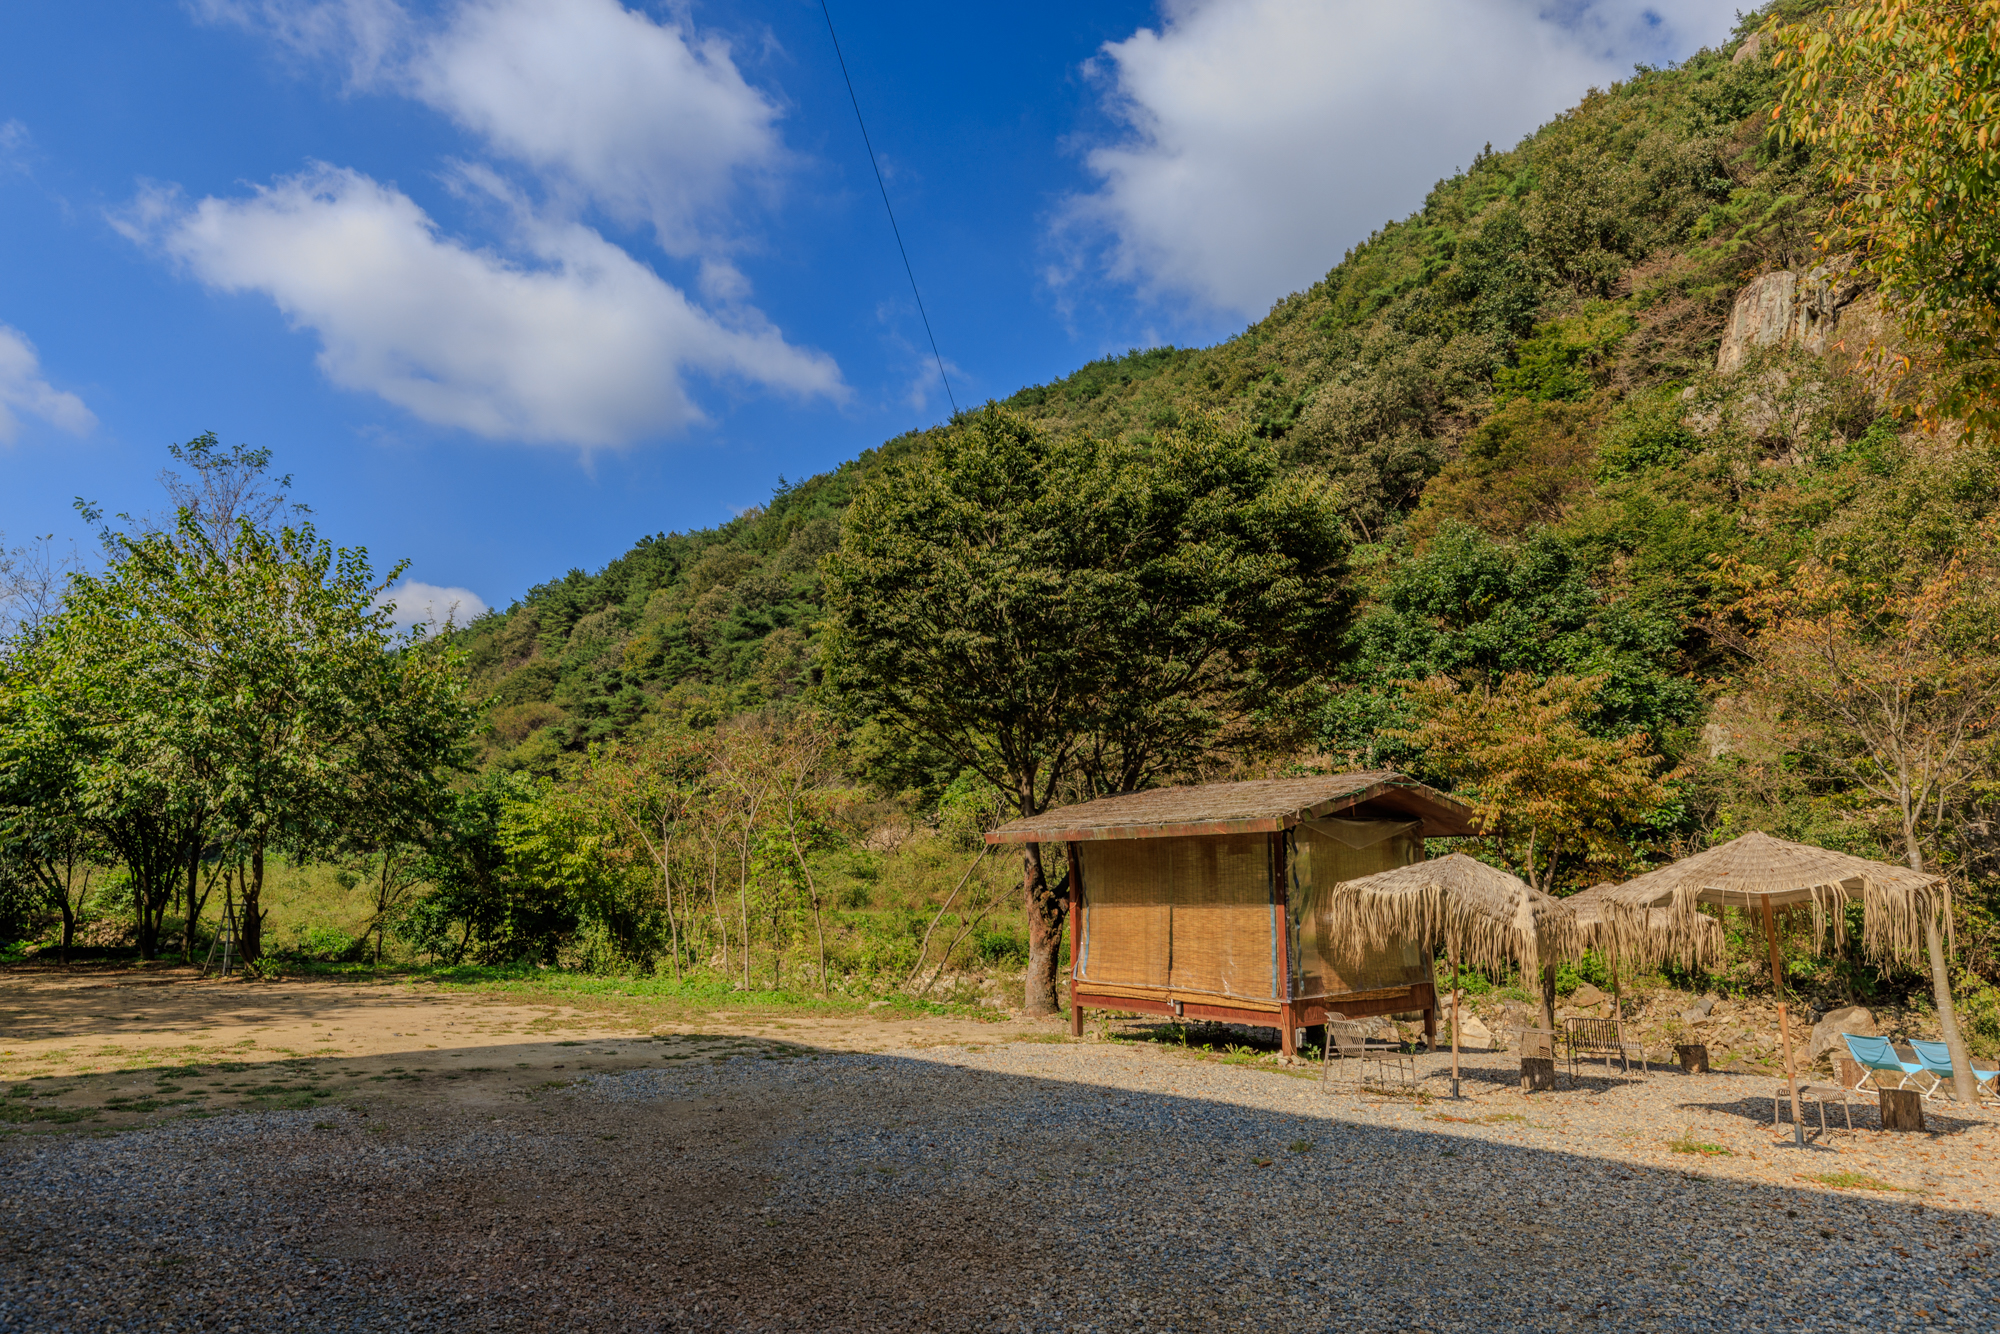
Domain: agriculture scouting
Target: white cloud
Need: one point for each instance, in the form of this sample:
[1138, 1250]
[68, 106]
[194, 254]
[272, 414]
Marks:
[559, 335]
[24, 390]
[419, 603]
[578, 343]
[1265, 137]
[645, 118]
[15, 141]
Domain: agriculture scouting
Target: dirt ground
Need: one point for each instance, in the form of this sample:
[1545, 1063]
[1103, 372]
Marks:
[110, 1048]
[443, 1160]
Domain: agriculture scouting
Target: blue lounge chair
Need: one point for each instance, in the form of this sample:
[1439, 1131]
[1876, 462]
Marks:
[1936, 1058]
[1879, 1058]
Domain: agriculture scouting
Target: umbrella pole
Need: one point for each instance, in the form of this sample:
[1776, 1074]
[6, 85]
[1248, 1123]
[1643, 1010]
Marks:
[1454, 1023]
[1617, 999]
[1784, 1024]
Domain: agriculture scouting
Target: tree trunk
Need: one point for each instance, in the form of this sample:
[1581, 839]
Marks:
[1549, 999]
[1963, 1086]
[152, 902]
[196, 902]
[1045, 927]
[252, 927]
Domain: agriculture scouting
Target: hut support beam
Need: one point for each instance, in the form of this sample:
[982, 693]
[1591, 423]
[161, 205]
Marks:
[1075, 935]
[1784, 1023]
[1288, 1033]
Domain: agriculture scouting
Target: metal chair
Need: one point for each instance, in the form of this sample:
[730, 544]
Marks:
[1815, 1093]
[1345, 1041]
[1878, 1057]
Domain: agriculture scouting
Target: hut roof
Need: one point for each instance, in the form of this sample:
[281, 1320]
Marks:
[1261, 806]
[1744, 871]
[1485, 916]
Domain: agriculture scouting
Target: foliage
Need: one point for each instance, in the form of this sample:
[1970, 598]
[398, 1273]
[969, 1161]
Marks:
[1057, 609]
[1893, 685]
[1558, 802]
[1901, 103]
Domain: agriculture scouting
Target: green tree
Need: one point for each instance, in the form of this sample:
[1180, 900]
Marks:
[1057, 609]
[251, 696]
[47, 846]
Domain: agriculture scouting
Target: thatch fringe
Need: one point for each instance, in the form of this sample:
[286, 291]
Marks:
[1646, 937]
[1483, 917]
[1745, 871]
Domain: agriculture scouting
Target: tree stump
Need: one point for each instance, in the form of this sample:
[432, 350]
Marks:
[1693, 1057]
[1538, 1073]
[1850, 1072]
[1902, 1109]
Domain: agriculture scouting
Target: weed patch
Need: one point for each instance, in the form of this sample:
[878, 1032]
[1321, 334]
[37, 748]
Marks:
[1856, 1181]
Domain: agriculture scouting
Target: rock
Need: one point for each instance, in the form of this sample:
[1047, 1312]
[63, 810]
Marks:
[1826, 1033]
[1473, 1035]
[1747, 52]
[1762, 313]
[1587, 996]
[1779, 308]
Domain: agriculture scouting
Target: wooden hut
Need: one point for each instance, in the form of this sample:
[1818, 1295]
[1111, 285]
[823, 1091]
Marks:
[1177, 896]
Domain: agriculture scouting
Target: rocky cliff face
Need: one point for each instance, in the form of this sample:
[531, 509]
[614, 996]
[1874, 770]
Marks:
[1817, 312]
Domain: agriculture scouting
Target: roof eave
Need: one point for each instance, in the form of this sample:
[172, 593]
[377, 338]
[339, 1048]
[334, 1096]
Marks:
[1442, 818]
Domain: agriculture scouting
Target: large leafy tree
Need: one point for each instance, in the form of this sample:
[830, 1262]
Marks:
[243, 699]
[1555, 800]
[1060, 612]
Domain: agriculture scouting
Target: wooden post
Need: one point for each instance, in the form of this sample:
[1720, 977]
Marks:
[1538, 1074]
[1902, 1109]
[1075, 933]
[1784, 1023]
[1549, 999]
[1288, 1037]
[1693, 1057]
[1452, 950]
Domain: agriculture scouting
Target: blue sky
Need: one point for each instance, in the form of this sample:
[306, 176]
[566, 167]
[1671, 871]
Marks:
[507, 284]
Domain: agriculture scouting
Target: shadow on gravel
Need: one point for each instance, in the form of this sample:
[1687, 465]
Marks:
[1026, 1187]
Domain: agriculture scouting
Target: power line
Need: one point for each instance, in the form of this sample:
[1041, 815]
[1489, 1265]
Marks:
[880, 185]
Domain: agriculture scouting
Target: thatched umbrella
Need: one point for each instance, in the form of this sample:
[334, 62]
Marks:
[1643, 939]
[1765, 873]
[1480, 915]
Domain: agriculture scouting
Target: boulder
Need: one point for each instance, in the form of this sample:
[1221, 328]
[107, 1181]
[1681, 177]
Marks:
[1699, 1012]
[1473, 1035]
[1826, 1033]
[1587, 996]
[1748, 51]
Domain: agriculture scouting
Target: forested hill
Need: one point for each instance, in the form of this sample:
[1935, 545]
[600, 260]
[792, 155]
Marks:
[1517, 386]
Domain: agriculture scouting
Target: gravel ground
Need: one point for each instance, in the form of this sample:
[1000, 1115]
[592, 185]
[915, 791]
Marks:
[1027, 1186]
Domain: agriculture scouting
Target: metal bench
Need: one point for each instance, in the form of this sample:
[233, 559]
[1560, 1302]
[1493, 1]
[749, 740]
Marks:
[1588, 1039]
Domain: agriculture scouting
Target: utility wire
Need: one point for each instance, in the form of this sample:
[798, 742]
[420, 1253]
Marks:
[901, 248]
